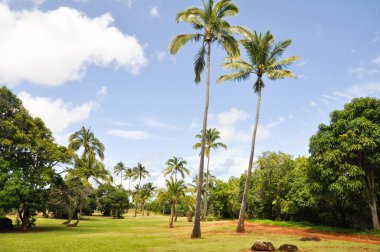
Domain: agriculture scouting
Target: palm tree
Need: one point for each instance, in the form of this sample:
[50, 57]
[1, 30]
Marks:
[210, 27]
[174, 193]
[176, 165]
[86, 139]
[118, 169]
[263, 54]
[212, 136]
[147, 191]
[129, 174]
[139, 172]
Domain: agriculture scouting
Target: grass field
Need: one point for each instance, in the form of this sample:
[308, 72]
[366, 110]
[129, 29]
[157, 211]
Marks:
[150, 233]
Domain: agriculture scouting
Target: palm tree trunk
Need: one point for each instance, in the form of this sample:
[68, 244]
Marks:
[171, 216]
[176, 212]
[240, 225]
[197, 220]
[206, 191]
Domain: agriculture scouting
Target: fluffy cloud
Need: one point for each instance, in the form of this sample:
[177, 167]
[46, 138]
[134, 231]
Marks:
[57, 114]
[50, 48]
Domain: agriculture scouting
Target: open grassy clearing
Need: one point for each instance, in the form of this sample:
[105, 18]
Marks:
[150, 233]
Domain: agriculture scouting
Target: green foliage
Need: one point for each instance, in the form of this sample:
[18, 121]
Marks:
[176, 165]
[118, 203]
[30, 153]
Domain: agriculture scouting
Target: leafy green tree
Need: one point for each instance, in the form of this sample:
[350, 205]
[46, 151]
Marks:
[176, 165]
[174, 193]
[104, 202]
[119, 202]
[210, 26]
[346, 154]
[139, 172]
[263, 54]
[212, 136]
[29, 157]
[85, 138]
[119, 169]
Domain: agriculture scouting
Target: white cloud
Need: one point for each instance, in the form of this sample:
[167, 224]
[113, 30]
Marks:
[376, 61]
[150, 122]
[101, 93]
[52, 47]
[57, 114]
[232, 116]
[154, 12]
[301, 63]
[361, 72]
[313, 104]
[159, 55]
[130, 134]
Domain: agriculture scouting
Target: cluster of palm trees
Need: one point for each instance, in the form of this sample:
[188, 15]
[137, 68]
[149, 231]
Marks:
[262, 53]
[141, 194]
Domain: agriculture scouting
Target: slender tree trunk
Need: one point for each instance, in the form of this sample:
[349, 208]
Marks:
[137, 197]
[372, 199]
[240, 225]
[176, 212]
[206, 191]
[121, 180]
[129, 190]
[171, 216]
[24, 214]
[75, 224]
[163, 209]
[196, 233]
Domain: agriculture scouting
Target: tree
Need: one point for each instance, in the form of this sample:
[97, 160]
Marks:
[139, 172]
[129, 174]
[118, 169]
[176, 165]
[91, 145]
[211, 26]
[212, 136]
[147, 191]
[346, 153]
[263, 54]
[174, 193]
[29, 157]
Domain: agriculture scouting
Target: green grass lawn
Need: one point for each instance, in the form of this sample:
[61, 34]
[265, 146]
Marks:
[150, 233]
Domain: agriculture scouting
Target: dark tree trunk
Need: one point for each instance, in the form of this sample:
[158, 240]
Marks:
[206, 191]
[24, 214]
[196, 233]
[372, 199]
[176, 212]
[75, 224]
[240, 225]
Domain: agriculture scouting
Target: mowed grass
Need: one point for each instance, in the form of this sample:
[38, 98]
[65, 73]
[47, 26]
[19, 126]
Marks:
[150, 233]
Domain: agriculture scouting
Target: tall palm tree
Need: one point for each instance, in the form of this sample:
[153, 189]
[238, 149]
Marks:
[176, 165]
[210, 26]
[91, 145]
[139, 172]
[128, 174]
[174, 193]
[263, 54]
[212, 136]
[118, 169]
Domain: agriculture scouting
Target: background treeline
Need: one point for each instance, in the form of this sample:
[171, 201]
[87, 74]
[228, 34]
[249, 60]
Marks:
[336, 185]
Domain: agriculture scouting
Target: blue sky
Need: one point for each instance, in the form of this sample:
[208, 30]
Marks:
[104, 64]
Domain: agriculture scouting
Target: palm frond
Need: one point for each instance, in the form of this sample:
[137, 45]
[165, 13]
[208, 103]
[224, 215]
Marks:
[236, 64]
[280, 74]
[238, 76]
[184, 15]
[199, 63]
[278, 65]
[181, 40]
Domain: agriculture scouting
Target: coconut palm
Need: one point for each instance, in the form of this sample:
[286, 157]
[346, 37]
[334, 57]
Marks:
[212, 136]
[91, 145]
[139, 172]
[263, 54]
[174, 193]
[147, 191]
[210, 26]
[119, 169]
[128, 174]
[176, 165]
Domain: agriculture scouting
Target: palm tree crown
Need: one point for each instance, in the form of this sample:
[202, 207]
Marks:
[176, 165]
[91, 145]
[263, 54]
[140, 172]
[119, 169]
[212, 136]
[210, 26]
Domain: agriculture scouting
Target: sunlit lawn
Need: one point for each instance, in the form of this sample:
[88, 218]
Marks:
[150, 233]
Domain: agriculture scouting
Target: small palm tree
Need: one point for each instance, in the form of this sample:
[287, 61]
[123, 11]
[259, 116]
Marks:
[174, 193]
[263, 54]
[147, 191]
[119, 169]
[212, 136]
[139, 172]
[176, 165]
[211, 26]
